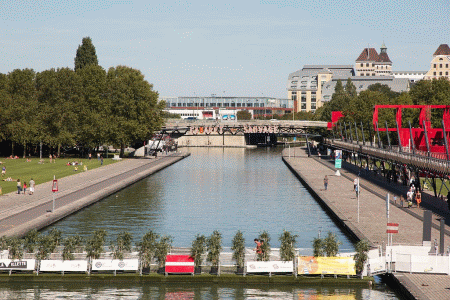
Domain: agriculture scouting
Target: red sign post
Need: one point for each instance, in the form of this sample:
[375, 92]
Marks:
[54, 190]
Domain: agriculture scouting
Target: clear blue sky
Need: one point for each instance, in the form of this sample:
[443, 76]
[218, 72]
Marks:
[237, 48]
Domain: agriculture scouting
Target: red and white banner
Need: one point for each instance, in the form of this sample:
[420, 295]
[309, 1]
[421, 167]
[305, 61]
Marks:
[392, 228]
[179, 264]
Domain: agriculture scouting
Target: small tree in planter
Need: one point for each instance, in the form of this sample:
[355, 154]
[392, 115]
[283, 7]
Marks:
[362, 247]
[30, 241]
[331, 245]
[123, 243]
[264, 238]
[214, 246]
[238, 247]
[162, 249]
[4, 243]
[45, 247]
[147, 249]
[94, 246]
[318, 246]
[287, 249]
[70, 245]
[197, 250]
[15, 248]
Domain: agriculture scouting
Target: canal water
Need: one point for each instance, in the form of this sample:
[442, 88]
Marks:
[214, 189]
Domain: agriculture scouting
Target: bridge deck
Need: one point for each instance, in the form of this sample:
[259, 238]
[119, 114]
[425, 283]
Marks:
[341, 199]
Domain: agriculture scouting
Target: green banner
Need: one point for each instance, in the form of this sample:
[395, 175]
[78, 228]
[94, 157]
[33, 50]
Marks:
[338, 163]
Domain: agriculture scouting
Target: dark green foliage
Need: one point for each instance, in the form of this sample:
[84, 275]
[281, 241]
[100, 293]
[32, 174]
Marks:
[287, 249]
[362, 247]
[70, 245]
[4, 242]
[94, 246]
[318, 245]
[162, 249]
[47, 243]
[243, 115]
[265, 246]
[214, 246]
[197, 249]
[30, 241]
[328, 246]
[147, 248]
[350, 88]
[15, 248]
[123, 243]
[86, 54]
[238, 247]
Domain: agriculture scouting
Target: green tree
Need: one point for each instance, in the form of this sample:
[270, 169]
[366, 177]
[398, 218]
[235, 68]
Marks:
[264, 237]
[362, 248]
[59, 93]
[238, 247]
[214, 246]
[287, 249]
[70, 245]
[243, 115]
[86, 54]
[31, 240]
[350, 88]
[123, 243]
[94, 108]
[135, 110]
[318, 245]
[331, 245]
[94, 245]
[21, 107]
[162, 249]
[147, 248]
[15, 248]
[197, 249]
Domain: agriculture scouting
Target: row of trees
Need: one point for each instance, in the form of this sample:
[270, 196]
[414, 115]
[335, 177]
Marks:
[87, 107]
[153, 246]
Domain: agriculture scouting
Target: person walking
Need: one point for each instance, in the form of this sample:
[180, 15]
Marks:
[325, 182]
[418, 198]
[24, 188]
[32, 183]
[19, 186]
[101, 160]
[355, 184]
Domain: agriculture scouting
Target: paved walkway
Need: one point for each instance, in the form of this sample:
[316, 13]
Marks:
[342, 200]
[21, 213]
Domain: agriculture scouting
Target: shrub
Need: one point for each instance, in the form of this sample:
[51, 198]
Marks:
[238, 247]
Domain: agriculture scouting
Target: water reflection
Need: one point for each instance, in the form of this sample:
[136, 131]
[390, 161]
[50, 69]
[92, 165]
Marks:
[16, 290]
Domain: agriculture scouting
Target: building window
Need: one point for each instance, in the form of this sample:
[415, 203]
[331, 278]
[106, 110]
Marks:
[440, 65]
[303, 106]
[294, 97]
[446, 66]
[446, 73]
[238, 105]
[434, 73]
[434, 66]
[313, 105]
[294, 93]
[440, 73]
[249, 104]
[362, 74]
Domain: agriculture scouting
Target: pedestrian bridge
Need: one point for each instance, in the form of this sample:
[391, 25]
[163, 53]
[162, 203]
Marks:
[172, 123]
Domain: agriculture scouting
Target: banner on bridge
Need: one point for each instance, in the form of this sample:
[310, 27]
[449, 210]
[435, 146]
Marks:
[270, 267]
[326, 265]
[338, 159]
[23, 264]
[115, 265]
[66, 266]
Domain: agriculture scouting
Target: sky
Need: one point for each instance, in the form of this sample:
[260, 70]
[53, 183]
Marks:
[232, 48]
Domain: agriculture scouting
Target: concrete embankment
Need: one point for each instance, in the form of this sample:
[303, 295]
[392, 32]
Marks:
[21, 213]
[368, 219]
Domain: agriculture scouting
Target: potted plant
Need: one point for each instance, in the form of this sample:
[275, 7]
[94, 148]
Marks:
[361, 247]
[123, 243]
[94, 246]
[238, 247]
[287, 248]
[70, 244]
[264, 239]
[147, 249]
[331, 245]
[162, 249]
[214, 246]
[197, 250]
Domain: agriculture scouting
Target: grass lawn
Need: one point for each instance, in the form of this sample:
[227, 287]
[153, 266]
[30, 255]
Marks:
[23, 170]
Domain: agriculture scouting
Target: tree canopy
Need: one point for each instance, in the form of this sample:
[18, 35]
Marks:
[86, 54]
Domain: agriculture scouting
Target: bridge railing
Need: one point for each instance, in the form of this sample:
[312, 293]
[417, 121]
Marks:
[437, 162]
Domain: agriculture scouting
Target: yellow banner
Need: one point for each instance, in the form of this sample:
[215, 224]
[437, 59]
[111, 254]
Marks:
[326, 265]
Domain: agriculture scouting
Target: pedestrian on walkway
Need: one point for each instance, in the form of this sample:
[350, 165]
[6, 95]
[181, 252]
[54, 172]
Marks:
[357, 191]
[32, 183]
[355, 183]
[402, 199]
[418, 198]
[19, 186]
[101, 160]
[24, 188]
[325, 182]
[409, 196]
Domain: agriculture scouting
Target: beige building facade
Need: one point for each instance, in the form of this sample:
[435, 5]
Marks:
[440, 64]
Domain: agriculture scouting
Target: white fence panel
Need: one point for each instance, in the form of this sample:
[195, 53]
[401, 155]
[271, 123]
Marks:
[52, 265]
[115, 265]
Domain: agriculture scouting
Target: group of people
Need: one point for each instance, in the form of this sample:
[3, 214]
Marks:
[23, 187]
[259, 247]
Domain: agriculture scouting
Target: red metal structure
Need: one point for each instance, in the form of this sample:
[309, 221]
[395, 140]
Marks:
[425, 138]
